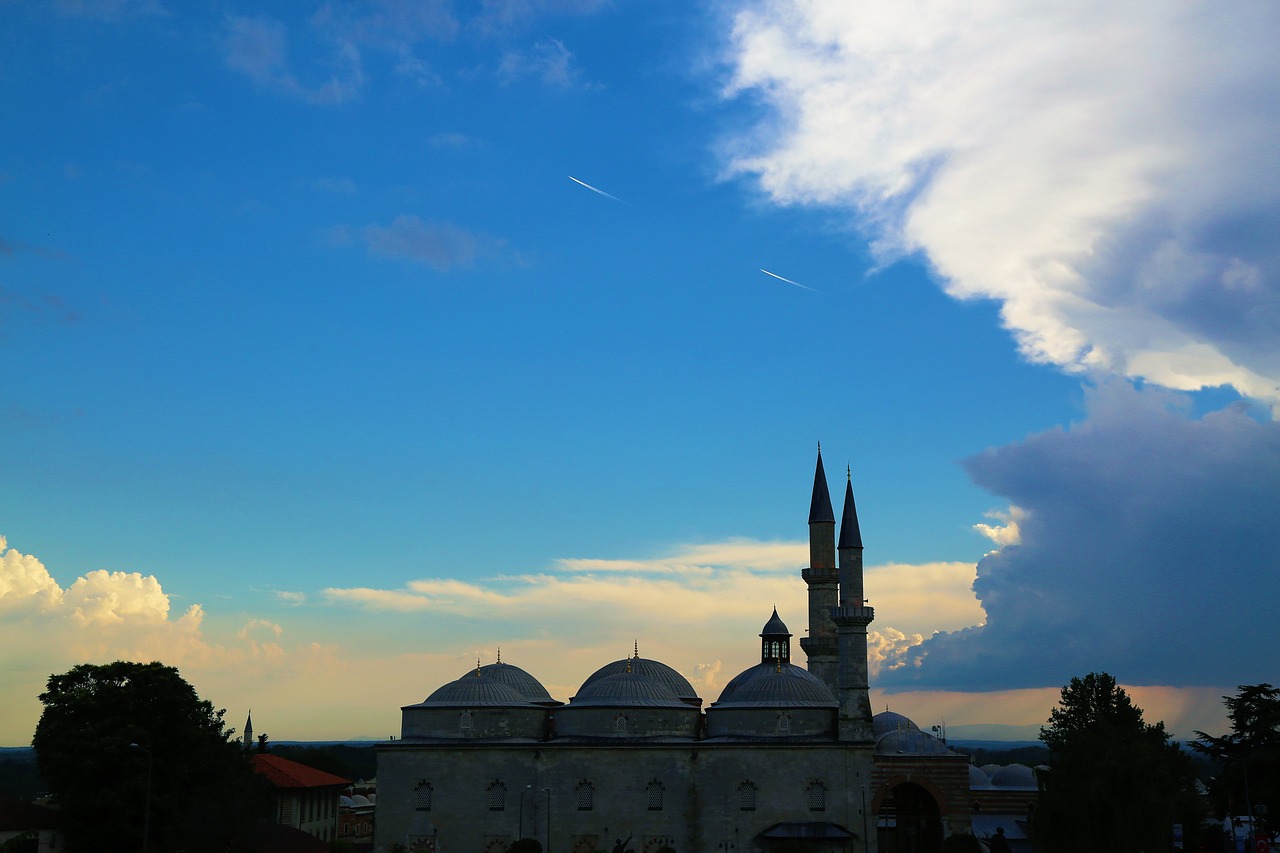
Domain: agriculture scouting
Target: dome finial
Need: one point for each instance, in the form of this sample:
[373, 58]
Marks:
[636, 647]
[477, 666]
[499, 654]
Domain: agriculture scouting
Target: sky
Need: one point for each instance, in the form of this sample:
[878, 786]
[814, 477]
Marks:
[345, 344]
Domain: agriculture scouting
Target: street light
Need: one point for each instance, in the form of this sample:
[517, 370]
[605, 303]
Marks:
[146, 809]
[547, 847]
[527, 789]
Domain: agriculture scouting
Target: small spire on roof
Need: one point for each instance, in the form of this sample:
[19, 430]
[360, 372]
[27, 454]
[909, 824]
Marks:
[636, 647]
[477, 666]
[499, 654]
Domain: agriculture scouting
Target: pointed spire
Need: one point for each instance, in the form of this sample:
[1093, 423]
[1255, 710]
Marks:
[820, 506]
[499, 654]
[850, 533]
[637, 648]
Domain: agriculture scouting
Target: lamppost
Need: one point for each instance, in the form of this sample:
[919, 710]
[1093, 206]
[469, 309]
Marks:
[527, 789]
[547, 847]
[146, 809]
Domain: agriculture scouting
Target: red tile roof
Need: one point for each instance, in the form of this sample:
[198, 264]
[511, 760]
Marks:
[284, 773]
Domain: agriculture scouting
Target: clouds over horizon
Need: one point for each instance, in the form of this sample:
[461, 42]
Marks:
[1105, 170]
[1143, 532]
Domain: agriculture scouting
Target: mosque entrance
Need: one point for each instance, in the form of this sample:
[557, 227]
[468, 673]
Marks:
[909, 821]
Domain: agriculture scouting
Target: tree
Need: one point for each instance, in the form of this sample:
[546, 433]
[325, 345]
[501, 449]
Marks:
[137, 760]
[1249, 755]
[1114, 782]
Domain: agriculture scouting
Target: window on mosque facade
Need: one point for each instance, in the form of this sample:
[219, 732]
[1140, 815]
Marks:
[784, 723]
[465, 722]
[653, 792]
[497, 796]
[422, 796]
[817, 797]
[586, 796]
[620, 724]
[747, 796]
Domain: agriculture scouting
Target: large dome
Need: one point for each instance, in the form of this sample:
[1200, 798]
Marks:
[910, 742]
[656, 670]
[473, 691]
[773, 685]
[626, 690]
[518, 680]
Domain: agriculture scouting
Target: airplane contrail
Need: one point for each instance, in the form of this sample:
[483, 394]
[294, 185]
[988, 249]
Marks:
[594, 189]
[787, 280]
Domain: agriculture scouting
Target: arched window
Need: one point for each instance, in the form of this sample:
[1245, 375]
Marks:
[817, 796]
[653, 793]
[784, 723]
[586, 796]
[465, 722]
[497, 796]
[422, 796]
[620, 724]
[747, 796]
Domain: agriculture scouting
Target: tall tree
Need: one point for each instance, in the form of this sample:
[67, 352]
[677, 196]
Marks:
[1249, 755]
[137, 760]
[1114, 782]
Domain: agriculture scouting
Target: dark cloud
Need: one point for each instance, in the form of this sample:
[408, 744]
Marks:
[1149, 550]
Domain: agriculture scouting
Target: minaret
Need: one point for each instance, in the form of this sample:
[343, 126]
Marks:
[823, 579]
[851, 619]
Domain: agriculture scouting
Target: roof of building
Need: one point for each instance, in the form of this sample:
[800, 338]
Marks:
[891, 721]
[283, 773]
[266, 837]
[656, 670]
[775, 626]
[776, 685]
[911, 742]
[820, 505]
[626, 689]
[850, 533]
[474, 690]
[517, 679]
[1014, 776]
[21, 816]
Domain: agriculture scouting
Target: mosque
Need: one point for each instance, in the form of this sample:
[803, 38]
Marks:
[788, 759]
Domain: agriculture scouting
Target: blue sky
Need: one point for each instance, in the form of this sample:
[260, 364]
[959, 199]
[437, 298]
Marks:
[320, 375]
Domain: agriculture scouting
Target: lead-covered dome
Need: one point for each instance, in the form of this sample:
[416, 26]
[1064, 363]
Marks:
[626, 690]
[655, 670]
[475, 691]
[889, 721]
[518, 680]
[774, 685]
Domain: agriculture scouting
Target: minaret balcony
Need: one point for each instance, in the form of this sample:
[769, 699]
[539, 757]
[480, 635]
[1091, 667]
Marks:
[822, 574]
[852, 614]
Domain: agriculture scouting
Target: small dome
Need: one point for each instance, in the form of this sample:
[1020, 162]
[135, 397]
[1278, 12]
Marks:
[774, 626]
[1014, 776]
[473, 691]
[345, 802]
[656, 670]
[360, 800]
[626, 689]
[518, 680]
[770, 685]
[978, 779]
[889, 721]
[910, 742]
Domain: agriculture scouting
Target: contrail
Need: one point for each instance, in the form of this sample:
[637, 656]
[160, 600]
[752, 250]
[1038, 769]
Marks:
[594, 190]
[787, 280]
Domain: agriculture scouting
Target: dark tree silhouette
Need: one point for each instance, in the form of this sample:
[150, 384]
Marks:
[1247, 757]
[127, 747]
[1115, 782]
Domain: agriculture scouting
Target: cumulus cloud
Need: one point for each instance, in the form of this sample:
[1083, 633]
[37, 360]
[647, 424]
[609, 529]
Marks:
[1145, 531]
[258, 47]
[1106, 170]
[440, 245]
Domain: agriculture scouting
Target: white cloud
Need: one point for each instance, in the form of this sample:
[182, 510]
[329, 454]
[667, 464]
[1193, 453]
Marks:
[548, 61]
[258, 47]
[1006, 532]
[1105, 170]
[25, 582]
